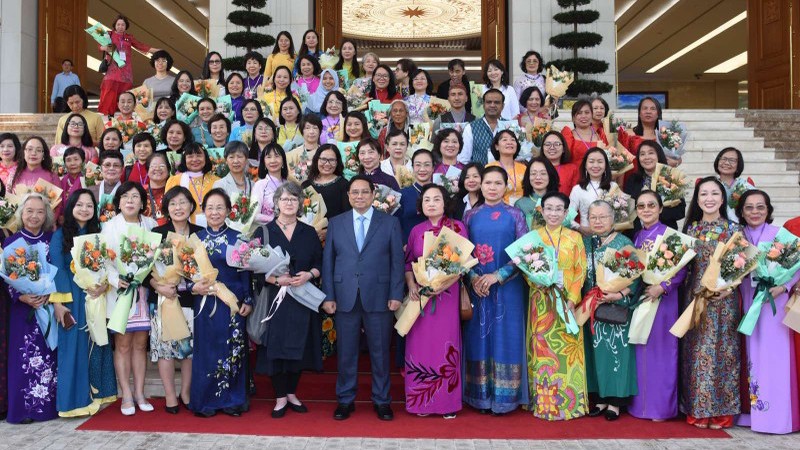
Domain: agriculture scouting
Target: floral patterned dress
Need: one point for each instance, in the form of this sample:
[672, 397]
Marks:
[494, 354]
[417, 107]
[556, 368]
[710, 353]
[32, 366]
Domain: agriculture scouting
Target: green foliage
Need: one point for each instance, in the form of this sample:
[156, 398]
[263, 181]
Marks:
[582, 65]
[583, 86]
[582, 16]
[248, 39]
[573, 3]
[576, 39]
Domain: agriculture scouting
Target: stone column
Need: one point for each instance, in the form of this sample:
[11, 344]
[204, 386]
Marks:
[295, 16]
[531, 25]
[18, 50]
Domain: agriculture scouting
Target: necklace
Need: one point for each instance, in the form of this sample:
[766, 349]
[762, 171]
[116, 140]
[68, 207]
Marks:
[285, 226]
[218, 233]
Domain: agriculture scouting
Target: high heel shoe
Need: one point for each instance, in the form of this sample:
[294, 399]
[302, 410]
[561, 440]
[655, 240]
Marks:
[172, 409]
[183, 403]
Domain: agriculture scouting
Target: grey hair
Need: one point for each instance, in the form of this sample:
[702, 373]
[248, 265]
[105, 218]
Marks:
[601, 204]
[293, 189]
[236, 147]
[49, 216]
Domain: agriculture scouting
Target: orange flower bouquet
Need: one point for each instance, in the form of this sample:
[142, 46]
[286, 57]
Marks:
[616, 270]
[137, 250]
[46, 189]
[206, 88]
[145, 105]
[91, 259]
[314, 209]
[670, 183]
[195, 266]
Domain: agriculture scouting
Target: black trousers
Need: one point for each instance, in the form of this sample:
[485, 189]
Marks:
[285, 383]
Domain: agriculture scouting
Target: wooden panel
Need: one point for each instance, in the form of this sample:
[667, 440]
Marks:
[770, 63]
[61, 36]
[327, 14]
[494, 37]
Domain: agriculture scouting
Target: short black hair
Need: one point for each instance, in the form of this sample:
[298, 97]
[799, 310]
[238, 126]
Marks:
[557, 194]
[161, 54]
[110, 154]
[603, 102]
[499, 64]
[124, 19]
[361, 177]
[494, 91]
[76, 89]
[312, 119]
[217, 191]
[739, 161]
[526, 95]
[67, 60]
[527, 55]
[496, 140]
[127, 187]
[194, 149]
[142, 137]
[448, 200]
[313, 171]
[254, 55]
[220, 117]
[69, 151]
[188, 137]
[456, 62]
[313, 60]
[154, 155]
[648, 191]
[174, 192]
[323, 111]
[745, 196]
[495, 169]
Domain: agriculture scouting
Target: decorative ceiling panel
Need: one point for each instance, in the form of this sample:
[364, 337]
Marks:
[411, 19]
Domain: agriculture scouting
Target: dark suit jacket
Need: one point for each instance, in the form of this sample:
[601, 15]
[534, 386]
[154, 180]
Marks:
[377, 271]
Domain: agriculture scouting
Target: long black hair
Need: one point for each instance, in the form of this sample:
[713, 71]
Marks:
[173, 91]
[391, 88]
[277, 49]
[313, 171]
[355, 69]
[462, 189]
[70, 226]
[206, 73]
[278, 150]
[605, 181]
[694, 213]
[86, 138]
[553, 180]
[255, 150]
[639, 128]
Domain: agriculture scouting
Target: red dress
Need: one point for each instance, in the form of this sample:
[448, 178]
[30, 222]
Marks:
[567, 177]
[577, 147]
[118, 79]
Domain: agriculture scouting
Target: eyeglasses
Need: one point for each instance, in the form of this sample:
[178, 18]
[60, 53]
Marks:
[334, 102]
[253, 109]
[552, 145]
[131, 196]
[649, 205]
[423, 165]
[158, 166]
[178, 204]
[553, 210]
[76, 124]
[759, 208]
[34, 150]
[215, 61]
[328, 161]
[380, 76]
[538, 174]
[289, 200]
[599, 218]
[730, 161]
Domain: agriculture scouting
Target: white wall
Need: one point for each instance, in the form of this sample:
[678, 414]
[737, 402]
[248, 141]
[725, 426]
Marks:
[18, 51]
[294, 16]
[531, 26]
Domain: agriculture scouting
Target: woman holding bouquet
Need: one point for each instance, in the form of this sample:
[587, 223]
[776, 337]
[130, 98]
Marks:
[183, 84]
[282, 79]
[194, 173]
[610, 360]
[251, 111]
[505, 149]
[326, 177]
[583, 137]
[648, 155]
[409, 213]
[710, 355]
[539, 179]
[496, 380]
[774, 404]
[595, 181]
[86, 379]
[369, 156]
[447, 145]
[32, 366]
[298, 160]
[158, 169]
[334, 106]
[130, 349]
[433, 345]
[292, 341]
[555, 149]
[555, 356]
[76, 134]
[237, 181]
[290, 133]
[273, 172]
[729, 166]
[656, 361]
[420, 96]
[219, 339]
[177, 207]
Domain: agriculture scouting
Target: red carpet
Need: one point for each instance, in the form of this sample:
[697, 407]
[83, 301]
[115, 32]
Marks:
[318, 422]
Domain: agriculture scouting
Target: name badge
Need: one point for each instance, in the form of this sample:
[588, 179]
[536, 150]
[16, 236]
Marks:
[560, 279]
[123, 56]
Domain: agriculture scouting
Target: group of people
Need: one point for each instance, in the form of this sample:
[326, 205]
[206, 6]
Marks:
[513, 351]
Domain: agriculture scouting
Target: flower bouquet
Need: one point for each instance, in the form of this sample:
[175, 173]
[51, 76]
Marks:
[557, 82]
[458, 126]
[243, 212]
[620, 160]
[419, 137]
[355, 95]
[329, 59]
[437, 107]
[476, 98]
[616, 270]
[445, 258]
[404, 176]
[219, 166]
[154, 128]
[8, 209]
[250, 255]
[128, 158]
[448, 180]
[91, 259]
[207, 88]
[58, 166]
[166, 270]
[128, 128]
[106, 211]
[252, 169]
[195, 266]
[670, 183]
[101, 35]
[537, 218]
[344, 79]
[729, 264]
[136, 257]
[740, 186]
[778, 262]
[670, 253]
[225, 107]
[145, 106]
[386, 199]
[186, 107]
[46, 189]
[377, 117]
[624, 208]
[314, 209]
[262, 95]
[299, 162]
[349, 153]
[91, 175]
[277, 264]
[25, 268]
[672, 137]
[174, 159]
[612, 125]
[535, 132]
[539, 264]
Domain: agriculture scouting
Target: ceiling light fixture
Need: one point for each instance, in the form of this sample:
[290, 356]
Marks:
[730, 65]
[740, 17]
[649, 21]
[182, 26]
[624, 9]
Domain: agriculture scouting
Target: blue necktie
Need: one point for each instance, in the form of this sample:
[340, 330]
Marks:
[360, 235]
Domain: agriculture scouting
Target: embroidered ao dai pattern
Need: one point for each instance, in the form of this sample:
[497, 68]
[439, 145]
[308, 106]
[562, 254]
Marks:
[770, 357]
[219, 378]
[610, 360]
[495, 376]
[32, 365]
[710, 358]
[433, 345]
[556, 363]
[417, 107]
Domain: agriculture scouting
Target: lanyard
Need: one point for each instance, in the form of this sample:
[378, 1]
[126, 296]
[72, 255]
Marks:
[557, 246]
[198, 194]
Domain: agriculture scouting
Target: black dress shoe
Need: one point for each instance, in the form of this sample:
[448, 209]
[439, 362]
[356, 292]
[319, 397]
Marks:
[172, 409]
[26, 421]
[611, 415]
[205, 415]
[384, 412]
[595, 411]
[343, 411]
[183, 403]
[233, 412]
[278, 413]
[485, 411]
[301, 408]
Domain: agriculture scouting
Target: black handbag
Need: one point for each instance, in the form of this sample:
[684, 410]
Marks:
[103, 64]
[611, 313]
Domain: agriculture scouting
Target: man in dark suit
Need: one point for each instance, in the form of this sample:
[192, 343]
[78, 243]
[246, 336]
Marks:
[363, 279]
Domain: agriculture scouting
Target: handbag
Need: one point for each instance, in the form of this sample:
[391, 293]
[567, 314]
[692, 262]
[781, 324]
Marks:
[103, 68]
[465, 308]
[255, 328]
[611, 313]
